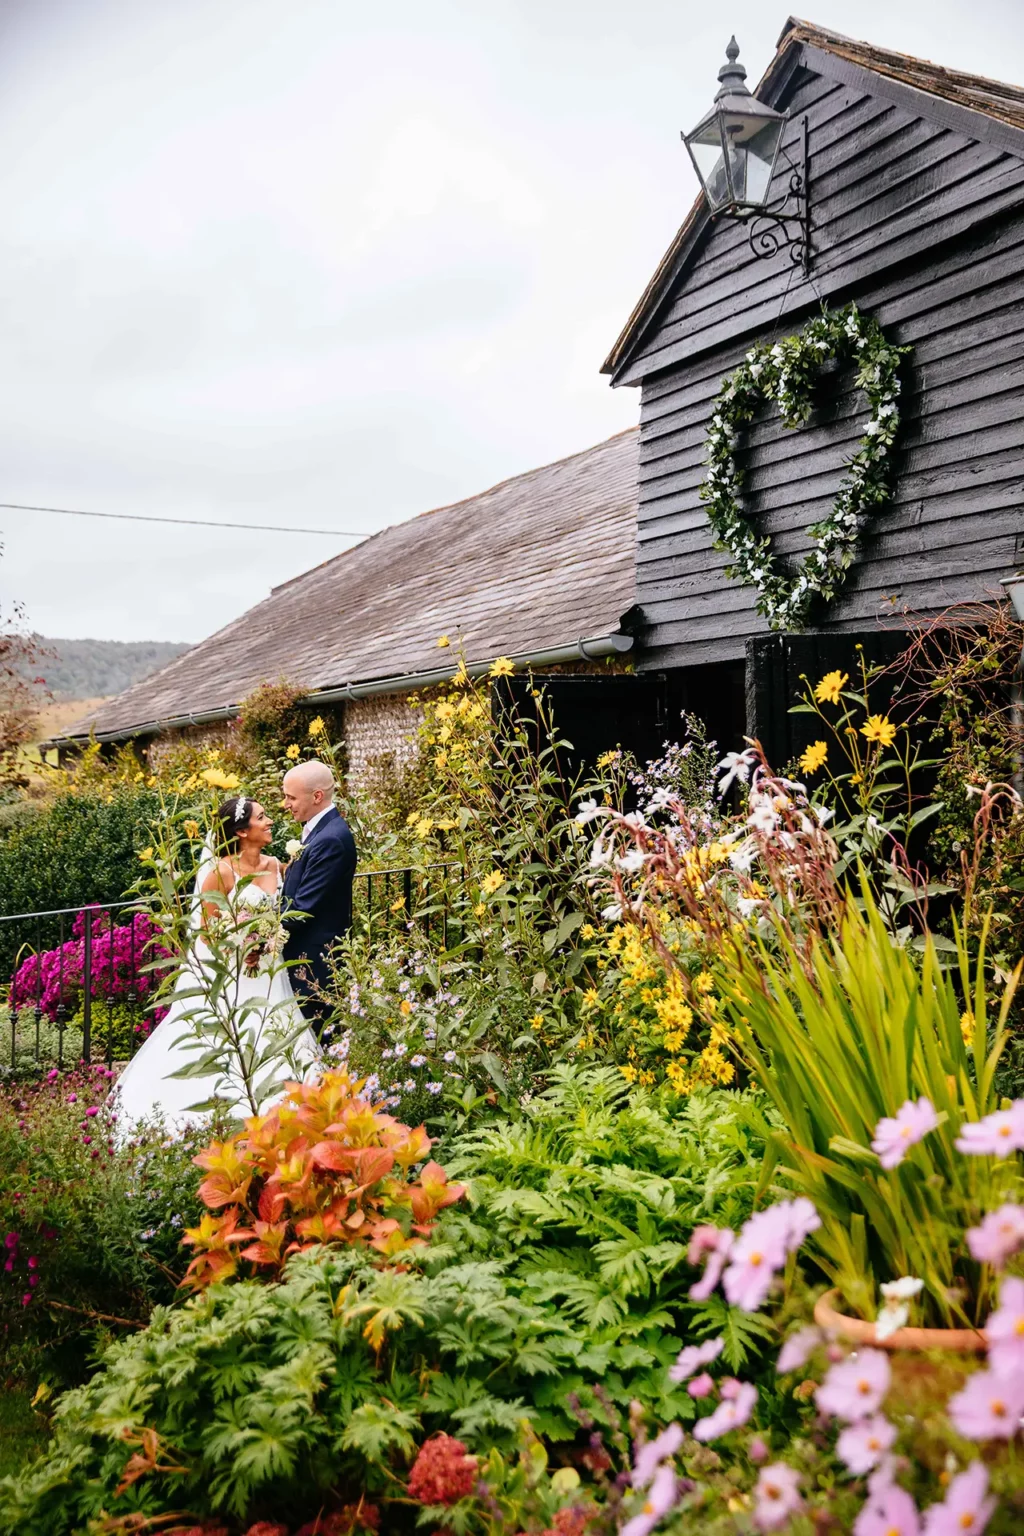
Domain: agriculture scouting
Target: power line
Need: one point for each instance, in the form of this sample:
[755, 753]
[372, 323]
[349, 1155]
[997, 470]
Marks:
[182, 522]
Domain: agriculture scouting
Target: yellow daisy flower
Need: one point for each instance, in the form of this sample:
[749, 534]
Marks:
[830, 687]
[503, 667]
[879, 728]
[814, 757]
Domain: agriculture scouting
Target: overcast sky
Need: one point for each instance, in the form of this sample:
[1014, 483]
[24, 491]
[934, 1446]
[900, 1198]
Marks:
[324, 263]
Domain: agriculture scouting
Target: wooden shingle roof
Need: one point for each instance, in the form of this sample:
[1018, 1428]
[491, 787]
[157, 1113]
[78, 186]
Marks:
[534, 563]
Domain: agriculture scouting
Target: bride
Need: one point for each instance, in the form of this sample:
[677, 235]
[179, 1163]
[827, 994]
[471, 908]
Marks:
[233, 1005]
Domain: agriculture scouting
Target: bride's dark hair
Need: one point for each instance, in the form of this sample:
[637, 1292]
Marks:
[233, 817]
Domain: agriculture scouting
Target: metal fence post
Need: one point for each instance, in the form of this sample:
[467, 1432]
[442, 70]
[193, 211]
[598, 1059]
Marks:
[87, 988]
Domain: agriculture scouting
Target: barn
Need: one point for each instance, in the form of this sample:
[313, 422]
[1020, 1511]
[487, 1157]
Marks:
[898, 187]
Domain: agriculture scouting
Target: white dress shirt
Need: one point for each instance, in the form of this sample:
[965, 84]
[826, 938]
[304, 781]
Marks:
[311, 823]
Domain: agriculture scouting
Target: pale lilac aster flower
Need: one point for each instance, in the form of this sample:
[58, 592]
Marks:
[997, 1135]
[693, 1357]
[861, 1446]
[1005, 1330]
[730, 1414]
[701, 1386]
[661, 1497]
[988, 1407]
[965, 1511]
[895, 1135]
[650, 1456]
[1000, 1235]
[893, 1513]
[854, 1389]
[776, 1496]
[797, 1350]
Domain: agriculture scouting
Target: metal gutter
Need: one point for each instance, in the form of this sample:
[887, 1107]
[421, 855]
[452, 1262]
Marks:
[591, 648]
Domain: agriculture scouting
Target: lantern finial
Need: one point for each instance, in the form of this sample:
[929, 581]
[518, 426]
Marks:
[732, 74]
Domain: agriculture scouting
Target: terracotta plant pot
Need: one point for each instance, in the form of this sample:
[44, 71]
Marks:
[958, 1341]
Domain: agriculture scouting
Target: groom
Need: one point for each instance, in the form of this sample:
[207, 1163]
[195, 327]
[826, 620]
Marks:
[318, 882]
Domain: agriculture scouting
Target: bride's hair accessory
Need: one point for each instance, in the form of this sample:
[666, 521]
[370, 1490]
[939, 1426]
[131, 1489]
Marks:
[240, 805]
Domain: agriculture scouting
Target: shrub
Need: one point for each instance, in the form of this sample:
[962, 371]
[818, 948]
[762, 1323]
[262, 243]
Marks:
[322, 1167]
[122, 956]
[279, 1402]
[93, 1229]
[79, 851]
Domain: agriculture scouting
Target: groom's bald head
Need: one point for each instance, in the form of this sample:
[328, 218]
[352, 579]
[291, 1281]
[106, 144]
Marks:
[308, 789]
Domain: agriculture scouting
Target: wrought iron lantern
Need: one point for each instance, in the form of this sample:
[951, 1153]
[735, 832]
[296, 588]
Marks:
[734, 149]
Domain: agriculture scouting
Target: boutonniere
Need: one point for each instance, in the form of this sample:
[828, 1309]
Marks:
[293, 847]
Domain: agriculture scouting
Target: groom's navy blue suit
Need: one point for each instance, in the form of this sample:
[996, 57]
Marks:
[318, 882]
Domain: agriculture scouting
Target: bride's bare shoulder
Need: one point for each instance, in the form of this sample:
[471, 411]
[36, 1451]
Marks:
[221, 877]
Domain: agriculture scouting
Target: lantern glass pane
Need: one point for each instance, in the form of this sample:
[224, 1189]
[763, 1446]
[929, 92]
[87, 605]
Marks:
[753, 146]
[705, 147]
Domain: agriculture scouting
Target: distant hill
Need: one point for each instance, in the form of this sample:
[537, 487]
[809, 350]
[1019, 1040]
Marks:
[91, 669]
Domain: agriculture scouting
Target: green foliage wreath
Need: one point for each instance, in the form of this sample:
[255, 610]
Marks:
[785, 372]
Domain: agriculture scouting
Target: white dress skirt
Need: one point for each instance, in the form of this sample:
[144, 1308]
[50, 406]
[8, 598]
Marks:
[146, 1092]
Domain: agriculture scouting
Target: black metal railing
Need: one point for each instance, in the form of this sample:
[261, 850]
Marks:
[81, 982]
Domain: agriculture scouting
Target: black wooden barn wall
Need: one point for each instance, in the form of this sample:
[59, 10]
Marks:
[923, 225]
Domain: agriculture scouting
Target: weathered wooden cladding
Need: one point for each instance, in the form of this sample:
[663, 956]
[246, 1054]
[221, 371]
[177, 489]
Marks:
[924, 228]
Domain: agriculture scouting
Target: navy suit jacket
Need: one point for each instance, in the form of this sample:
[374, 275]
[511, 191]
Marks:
[319, 882]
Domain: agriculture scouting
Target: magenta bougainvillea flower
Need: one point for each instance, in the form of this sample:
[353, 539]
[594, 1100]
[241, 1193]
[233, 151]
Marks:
[896, 1134]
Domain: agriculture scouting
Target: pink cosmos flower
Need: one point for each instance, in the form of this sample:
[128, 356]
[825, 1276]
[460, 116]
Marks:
[776, 1496]
[693, 1357]
[855, 1388]
[965, 1511]
[861, 1446]
[701, 1386]
[988, 1407]
[650, 1456]
[895, 1135]
[997, 1135]
[731, 1413]
[761, 1249]
[756, 1254]
[1005, 1329]
[714, 1243]
[797, 1350]
[893, 1513]
[661, 1497]
[1000, 1235]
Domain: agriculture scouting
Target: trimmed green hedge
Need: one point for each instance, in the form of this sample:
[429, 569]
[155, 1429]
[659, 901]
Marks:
[79, 849]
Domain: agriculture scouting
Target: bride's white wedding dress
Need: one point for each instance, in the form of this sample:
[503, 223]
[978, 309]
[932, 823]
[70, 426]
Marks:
[146, 1091]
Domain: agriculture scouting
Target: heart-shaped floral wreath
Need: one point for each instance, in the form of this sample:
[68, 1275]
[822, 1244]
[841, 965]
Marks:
[785, 372]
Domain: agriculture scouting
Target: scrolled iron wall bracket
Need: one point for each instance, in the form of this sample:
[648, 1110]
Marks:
[778, 226]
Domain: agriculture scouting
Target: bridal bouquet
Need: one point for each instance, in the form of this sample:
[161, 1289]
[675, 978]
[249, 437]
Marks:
[259, 934]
